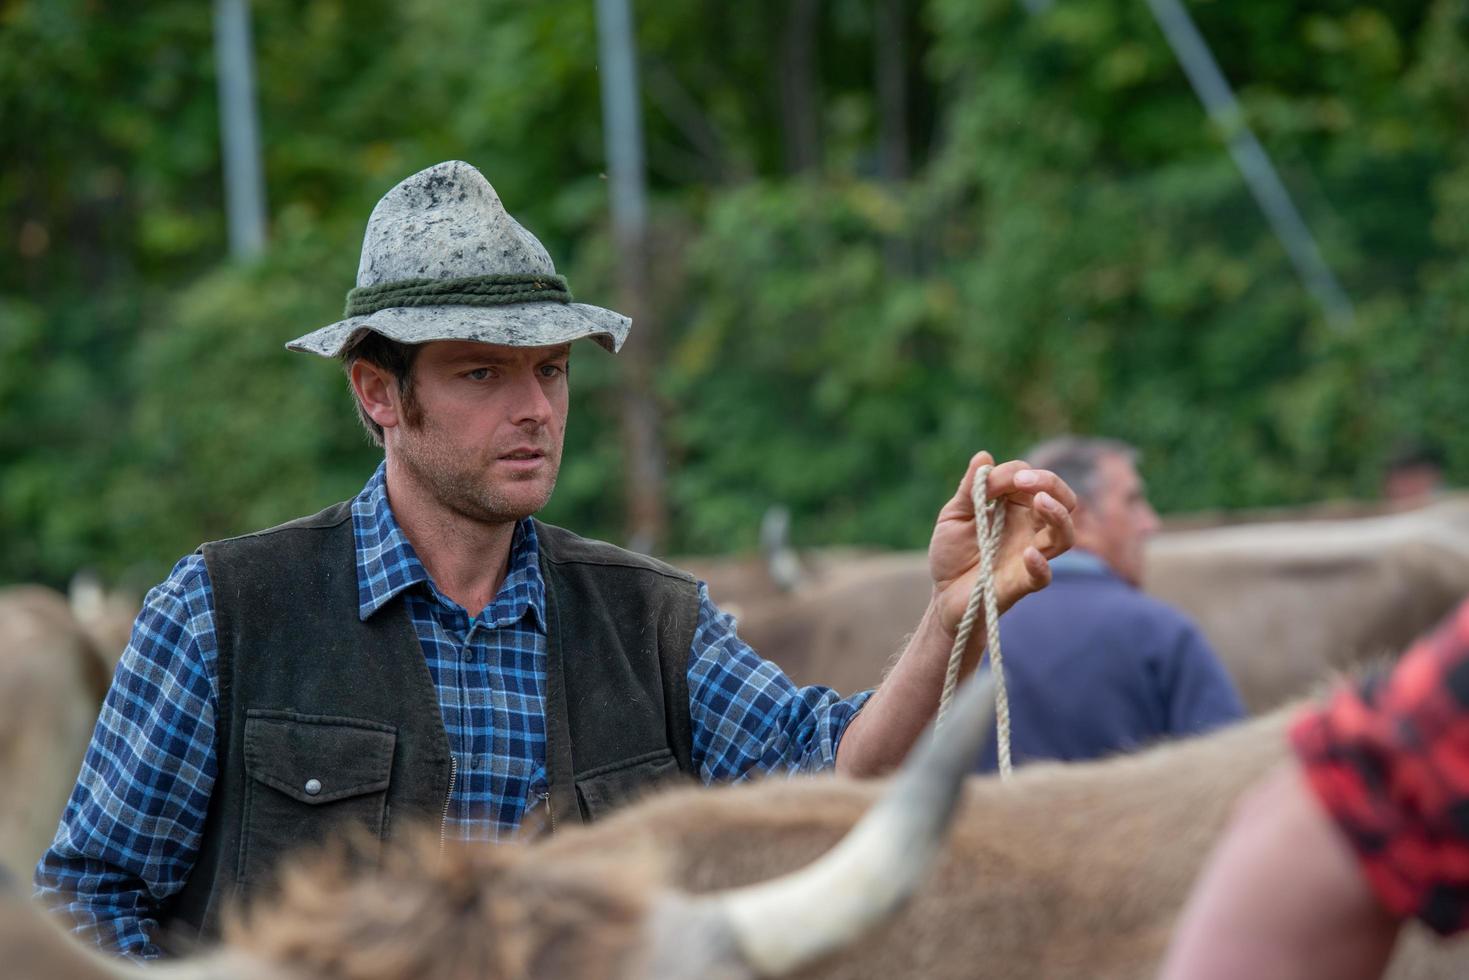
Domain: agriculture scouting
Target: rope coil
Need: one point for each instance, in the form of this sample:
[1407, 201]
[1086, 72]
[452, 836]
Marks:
[989, 526]
[500, 289]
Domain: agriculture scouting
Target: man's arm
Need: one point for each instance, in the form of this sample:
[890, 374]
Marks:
[130, 832]
[1282, 898]
[1362, 831]
[748, 717]
[1037, 528]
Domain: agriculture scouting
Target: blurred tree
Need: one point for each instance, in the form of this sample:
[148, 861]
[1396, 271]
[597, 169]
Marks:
[968, 227]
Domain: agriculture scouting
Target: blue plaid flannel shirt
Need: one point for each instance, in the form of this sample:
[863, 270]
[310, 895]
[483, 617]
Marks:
[131, 830]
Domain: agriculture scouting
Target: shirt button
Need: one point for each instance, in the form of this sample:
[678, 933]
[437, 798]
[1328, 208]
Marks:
[313, 786]
[468, 656]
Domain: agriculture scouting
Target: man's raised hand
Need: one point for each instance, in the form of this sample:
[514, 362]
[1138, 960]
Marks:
[1038, 527]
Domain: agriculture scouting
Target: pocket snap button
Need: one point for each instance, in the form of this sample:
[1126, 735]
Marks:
[313, 786]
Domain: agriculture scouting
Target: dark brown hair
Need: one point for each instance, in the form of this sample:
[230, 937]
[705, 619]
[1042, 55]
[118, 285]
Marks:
[395, 358]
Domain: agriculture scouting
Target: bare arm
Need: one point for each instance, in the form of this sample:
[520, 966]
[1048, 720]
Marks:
[1037, 528]
[1281, 898]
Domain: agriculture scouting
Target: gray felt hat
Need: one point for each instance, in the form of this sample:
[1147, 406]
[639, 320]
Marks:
[443, 260]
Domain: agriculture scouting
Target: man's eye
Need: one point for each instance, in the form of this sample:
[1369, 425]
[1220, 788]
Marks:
[479, 374]
[552, 370]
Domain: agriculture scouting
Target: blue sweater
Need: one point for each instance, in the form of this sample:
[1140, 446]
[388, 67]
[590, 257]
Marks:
[1093, 667]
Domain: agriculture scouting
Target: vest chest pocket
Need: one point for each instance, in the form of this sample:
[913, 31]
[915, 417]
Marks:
[607, 788]
[310, 776]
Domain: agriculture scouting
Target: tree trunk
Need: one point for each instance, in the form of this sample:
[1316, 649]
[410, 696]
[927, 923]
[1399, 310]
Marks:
[645, 472]
[622, 121]
[800, 86]
[889, 44]
[889, 48]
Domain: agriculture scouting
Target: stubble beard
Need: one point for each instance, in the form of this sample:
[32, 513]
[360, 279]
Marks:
[462, 484]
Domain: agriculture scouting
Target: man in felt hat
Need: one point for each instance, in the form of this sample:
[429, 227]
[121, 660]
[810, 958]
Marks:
[428, 652]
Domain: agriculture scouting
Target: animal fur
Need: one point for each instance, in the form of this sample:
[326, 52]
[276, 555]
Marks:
[51, 684]
[1066, 872]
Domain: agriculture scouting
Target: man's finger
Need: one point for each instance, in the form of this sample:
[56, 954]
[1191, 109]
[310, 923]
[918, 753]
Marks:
[1002, 478]
[1019, 478]
[1057, 532]
[1037, 567]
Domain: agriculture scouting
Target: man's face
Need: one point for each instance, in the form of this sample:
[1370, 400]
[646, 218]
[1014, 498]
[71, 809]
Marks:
[484, 430]
[1117, 524]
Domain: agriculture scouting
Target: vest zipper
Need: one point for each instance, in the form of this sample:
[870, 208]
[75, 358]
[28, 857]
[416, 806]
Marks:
[550, 813]
[444, 821]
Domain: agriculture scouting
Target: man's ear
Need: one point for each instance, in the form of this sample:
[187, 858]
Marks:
[1084, 520]
[377, 392]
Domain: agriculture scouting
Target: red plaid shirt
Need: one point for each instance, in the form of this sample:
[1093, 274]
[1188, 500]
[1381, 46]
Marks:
[1389, 760]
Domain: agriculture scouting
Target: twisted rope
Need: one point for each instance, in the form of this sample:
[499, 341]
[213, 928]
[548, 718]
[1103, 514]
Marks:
[989, 527]
[495, 290]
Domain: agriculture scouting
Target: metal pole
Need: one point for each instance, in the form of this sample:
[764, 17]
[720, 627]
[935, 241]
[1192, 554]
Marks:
[622, 120]
[244, 183]
[1254, 163]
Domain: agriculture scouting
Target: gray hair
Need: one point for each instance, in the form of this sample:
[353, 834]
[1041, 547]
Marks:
[1075, 459]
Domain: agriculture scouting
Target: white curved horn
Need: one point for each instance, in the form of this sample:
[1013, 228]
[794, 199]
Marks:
[784, 924]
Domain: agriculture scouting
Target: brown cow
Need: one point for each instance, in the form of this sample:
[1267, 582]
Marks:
[1066, 872]
[105, 614]
[844, 626]
[518, 912]
[51, 683]
[1283, 602]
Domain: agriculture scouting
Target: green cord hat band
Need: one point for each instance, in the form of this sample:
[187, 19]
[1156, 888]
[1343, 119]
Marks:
[492, 290]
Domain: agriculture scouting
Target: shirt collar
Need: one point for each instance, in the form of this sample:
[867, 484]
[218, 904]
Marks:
[387, 564]
[1079, 561]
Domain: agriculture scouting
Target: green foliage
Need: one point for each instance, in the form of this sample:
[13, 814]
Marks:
[1130, 284]
[1073, 249]
[223, 426]
[809, 377]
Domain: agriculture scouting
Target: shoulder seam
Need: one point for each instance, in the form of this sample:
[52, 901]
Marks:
[668, 571]
[297, 524]
[614, 559]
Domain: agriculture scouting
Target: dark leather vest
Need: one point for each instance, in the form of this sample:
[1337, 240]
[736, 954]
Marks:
[326, 721]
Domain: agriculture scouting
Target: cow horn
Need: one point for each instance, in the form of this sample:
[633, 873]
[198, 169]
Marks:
[781, 925]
